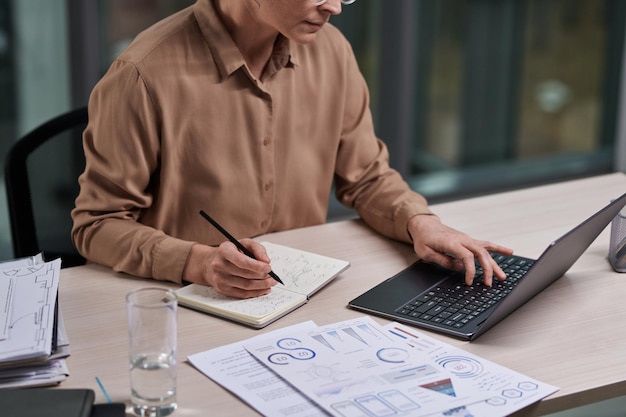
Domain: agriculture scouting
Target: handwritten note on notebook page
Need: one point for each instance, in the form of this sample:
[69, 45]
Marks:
[303, 274]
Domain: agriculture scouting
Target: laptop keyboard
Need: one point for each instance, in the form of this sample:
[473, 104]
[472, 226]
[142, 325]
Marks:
[454, 304]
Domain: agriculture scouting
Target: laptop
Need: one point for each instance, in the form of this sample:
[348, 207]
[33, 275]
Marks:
[433, 298]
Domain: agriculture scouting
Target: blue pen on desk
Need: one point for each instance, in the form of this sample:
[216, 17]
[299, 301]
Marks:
[235, 241]
[104, 392]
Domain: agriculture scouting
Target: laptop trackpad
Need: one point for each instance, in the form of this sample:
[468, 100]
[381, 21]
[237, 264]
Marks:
[397, 290]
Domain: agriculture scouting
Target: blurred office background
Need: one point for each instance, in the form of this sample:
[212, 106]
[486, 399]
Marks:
[471, 96]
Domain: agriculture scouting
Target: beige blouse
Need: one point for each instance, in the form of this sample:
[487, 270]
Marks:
[179, 124]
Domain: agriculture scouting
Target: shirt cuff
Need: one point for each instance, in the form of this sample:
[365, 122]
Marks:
[170, 256]
[403, 214]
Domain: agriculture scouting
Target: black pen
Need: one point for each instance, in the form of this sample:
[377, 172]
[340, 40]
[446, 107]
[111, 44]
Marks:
[235, 241]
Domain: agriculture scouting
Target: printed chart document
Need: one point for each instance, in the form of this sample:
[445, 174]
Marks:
[303, 274]
[32, 342]
[354, 368]
[7, 288]
[508, 391]
[235, 369]
[29, 298]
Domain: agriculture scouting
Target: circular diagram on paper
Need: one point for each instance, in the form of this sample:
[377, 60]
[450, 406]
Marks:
[392, 355]
[461, 366]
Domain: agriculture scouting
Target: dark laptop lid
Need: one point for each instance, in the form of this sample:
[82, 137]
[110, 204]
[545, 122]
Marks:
[560, 255]
[554, 262]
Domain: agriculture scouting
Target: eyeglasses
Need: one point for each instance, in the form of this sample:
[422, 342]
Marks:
[320, 2]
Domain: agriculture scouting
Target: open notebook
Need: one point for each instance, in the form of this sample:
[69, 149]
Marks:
[303, 274]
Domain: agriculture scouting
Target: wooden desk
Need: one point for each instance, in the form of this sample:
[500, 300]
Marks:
[572, 335]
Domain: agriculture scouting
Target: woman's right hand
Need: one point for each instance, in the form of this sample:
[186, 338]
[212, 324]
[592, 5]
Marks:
[228, 270]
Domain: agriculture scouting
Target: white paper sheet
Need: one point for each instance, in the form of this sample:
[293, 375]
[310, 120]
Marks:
[31, 313]
[353, 368]
[34, 375]
[7, 289]
[509, 391]
[236, 370]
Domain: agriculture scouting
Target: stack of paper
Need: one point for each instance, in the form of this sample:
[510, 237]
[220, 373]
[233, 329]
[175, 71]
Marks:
[33, 341]
[359, 368]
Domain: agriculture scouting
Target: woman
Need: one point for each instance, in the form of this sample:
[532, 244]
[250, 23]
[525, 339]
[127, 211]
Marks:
[250, 110]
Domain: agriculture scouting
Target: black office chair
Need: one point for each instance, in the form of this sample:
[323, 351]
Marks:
[41, 173]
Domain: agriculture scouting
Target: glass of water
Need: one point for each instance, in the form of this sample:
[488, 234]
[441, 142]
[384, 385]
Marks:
[152, 350]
